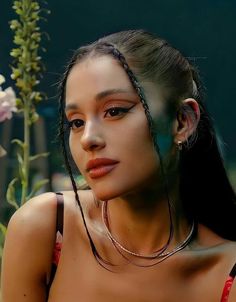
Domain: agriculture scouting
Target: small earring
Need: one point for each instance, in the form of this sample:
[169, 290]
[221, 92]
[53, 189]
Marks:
[180, 145]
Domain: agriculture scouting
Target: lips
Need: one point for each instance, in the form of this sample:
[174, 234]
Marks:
[100, 167]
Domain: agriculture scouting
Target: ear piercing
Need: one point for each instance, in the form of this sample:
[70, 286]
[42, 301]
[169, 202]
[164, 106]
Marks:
[180, 145]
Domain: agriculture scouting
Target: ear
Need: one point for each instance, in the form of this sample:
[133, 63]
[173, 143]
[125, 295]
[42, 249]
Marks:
[187, 120]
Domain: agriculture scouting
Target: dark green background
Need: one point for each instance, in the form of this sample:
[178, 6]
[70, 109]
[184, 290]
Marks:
[202, 29]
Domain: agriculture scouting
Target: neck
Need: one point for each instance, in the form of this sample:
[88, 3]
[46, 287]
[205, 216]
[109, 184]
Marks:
[141, 221]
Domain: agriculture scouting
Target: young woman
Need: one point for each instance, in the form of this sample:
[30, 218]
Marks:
[157, 222]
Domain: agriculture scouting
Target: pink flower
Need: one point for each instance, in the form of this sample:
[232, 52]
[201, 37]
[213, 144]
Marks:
[7, 103]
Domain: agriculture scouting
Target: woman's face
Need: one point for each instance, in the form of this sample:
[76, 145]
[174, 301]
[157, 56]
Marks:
[109, 137]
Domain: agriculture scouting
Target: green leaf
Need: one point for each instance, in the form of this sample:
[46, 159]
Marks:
[36, 156]
[19, 158]
[23, 174]
[19, 104]
[1, 251]
[34, 117]
[19, 11]
[18, 142]
[20, 173]
[16, 52]
[14, 24]
[3, 229]
[11, 199]
[18, 41]
[37, 186]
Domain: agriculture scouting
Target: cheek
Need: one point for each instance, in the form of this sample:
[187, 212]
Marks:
[75, 149]
[145, 157]
[141, 138]
[136, 145]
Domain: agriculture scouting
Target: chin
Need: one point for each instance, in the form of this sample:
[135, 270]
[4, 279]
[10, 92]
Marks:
[106, 194]
[106, 190]
[114, 187]
[109, 192]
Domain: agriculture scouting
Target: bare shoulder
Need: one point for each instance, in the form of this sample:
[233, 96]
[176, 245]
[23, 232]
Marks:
[210, 241]
[229, 250]
[212, 258]
[35, 215]
[38, 215]
[225, 250]
[28, 249]
[31, 224]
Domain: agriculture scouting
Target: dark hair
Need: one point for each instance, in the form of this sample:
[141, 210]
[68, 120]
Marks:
[205, 190]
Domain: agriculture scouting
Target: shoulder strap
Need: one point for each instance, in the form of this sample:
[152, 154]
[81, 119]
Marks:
[228, 284]
[60, 212]
[59, 227]
[233, 271]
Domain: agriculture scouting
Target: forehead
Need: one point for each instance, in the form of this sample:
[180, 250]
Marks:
[97, 74]
[94, 75]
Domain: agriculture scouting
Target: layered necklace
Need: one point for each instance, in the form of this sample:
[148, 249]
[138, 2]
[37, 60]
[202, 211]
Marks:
[159, 255]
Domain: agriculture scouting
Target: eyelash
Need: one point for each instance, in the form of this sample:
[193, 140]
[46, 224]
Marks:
[71, 124]
[119, 110]
[123, 110]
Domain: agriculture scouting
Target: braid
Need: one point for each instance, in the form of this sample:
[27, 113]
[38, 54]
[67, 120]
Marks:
[119, 56]
[135, 83]
[201, 162]
[110, 49]
[62, 128]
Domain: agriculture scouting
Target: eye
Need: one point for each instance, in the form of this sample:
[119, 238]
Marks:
[75, 124]
[117, 111]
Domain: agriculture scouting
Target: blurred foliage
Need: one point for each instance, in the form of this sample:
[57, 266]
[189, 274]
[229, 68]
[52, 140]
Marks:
[27, 71]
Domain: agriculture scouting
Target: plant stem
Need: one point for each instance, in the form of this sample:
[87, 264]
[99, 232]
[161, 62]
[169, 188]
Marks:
[26, 78]
[25, 168]
[27, 68]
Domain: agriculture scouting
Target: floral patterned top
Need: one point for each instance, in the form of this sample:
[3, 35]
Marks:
[57, 249]
[228, 285]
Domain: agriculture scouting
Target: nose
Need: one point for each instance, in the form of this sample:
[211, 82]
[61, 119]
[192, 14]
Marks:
[92, 138]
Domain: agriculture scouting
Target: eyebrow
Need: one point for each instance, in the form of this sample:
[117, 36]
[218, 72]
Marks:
[108, 92]
[100, 96]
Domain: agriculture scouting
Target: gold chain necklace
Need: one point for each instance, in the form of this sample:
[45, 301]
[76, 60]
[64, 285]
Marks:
[160, 254]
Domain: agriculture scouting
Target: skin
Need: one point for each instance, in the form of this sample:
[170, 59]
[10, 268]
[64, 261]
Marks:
[138, 219]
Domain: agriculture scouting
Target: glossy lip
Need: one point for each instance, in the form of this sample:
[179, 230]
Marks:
[99, 167]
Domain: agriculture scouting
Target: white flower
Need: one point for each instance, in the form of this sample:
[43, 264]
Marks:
[7, 103]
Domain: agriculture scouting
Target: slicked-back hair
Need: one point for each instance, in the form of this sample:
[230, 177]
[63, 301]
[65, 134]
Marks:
[205, 190]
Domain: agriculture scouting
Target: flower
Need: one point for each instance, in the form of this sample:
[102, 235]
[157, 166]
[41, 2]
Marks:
[7, 106]
[7, 102]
